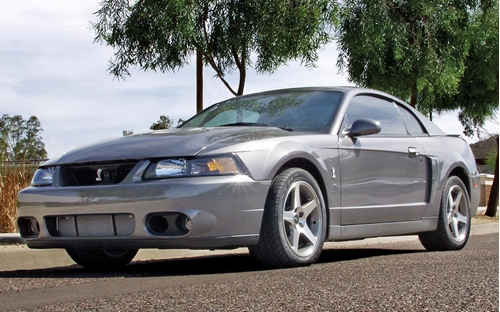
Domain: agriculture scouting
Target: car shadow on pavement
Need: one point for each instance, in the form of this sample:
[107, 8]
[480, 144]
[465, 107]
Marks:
[337, 255]
[202, 265]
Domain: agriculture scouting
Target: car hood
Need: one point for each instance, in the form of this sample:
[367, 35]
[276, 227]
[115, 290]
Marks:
[164, 143]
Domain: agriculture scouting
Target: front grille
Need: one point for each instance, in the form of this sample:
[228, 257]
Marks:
[95, 174]
[98, 225]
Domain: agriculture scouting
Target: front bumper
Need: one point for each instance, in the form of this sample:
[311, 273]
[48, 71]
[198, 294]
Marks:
[221, 212]
[475, 193]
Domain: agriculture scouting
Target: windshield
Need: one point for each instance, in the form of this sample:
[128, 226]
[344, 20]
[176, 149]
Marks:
[290, 110]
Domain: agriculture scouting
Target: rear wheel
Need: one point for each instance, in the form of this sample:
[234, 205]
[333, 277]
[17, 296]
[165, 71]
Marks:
[294, 224]
[454, 221]
[100, 259]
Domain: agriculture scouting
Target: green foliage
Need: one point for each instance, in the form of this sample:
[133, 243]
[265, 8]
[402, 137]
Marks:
[477, 96]
[164, 123]
[164, 34]
[415, 50]
[492, 157]
[20, 139]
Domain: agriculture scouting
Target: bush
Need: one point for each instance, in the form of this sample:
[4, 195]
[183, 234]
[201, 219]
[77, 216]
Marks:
[13, 178]
[492, 158]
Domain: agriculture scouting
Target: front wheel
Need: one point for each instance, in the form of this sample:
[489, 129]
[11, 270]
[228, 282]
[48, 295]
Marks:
[101, 259]
[294, 224]
[454, 221]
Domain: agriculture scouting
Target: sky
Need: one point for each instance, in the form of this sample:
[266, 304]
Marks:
[51, 68]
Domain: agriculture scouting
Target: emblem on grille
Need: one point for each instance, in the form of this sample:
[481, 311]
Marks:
[101, 173]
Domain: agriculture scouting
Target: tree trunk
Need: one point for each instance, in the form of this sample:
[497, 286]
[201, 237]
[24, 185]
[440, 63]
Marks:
[491, 209]
[199, 82]
[243, 76]
[413, 99]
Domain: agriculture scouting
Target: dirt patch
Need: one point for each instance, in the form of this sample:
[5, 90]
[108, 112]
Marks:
[480, 218]
[12, 247]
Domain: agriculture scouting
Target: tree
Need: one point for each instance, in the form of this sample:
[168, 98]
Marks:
[229, 35]
[477, 94]
[492, 157]
[491, 208]
[164, 123]
[415, 50]
[20, 139]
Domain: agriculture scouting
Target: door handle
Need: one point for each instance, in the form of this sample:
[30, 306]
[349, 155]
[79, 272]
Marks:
[413, 150]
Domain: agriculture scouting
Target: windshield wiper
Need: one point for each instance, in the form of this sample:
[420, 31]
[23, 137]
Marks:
[253, 124]
[242, 124]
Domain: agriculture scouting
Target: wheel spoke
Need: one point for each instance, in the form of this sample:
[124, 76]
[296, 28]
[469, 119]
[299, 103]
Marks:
[288, 217]
[450, 211]
[309, 235]
[450, 202]
[461, 218]
[449, 217]
[455, 218]
[454, 228]
[456, 202]
[296, 196]
[295, 239]
[309, 207]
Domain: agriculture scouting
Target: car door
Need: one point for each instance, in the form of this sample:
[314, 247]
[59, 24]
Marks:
[383, 176]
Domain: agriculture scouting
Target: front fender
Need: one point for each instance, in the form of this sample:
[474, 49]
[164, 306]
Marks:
[264, 164]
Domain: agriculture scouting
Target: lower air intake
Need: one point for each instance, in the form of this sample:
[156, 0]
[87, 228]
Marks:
[101, 225]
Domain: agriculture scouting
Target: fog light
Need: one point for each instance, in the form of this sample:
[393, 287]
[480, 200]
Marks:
[183, 223]
[157, 224]
[28, 227]
[168, 223]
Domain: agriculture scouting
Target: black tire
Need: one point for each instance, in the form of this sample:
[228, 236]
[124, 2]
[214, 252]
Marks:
[294, 224]
[454, 222]
[101, 259]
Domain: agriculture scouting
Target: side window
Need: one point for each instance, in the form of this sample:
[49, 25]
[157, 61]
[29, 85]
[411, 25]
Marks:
[386, 112]
[412, 124]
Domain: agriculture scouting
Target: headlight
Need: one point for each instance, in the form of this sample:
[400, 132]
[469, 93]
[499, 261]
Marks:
[180, 167]
[43, 177]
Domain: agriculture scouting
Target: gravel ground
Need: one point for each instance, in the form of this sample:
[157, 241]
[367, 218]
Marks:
[385, 277]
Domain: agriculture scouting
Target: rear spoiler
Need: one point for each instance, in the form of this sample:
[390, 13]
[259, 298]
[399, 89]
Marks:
[458, 136]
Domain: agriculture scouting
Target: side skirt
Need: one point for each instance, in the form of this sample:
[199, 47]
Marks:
[348, 232]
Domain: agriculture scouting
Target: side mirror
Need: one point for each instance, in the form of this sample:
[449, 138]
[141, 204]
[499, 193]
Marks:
[362, 127]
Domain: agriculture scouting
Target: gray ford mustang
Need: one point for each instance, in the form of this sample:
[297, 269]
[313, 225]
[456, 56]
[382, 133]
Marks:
[279, 172]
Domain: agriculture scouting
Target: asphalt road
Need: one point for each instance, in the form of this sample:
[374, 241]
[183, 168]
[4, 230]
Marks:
[395, 276]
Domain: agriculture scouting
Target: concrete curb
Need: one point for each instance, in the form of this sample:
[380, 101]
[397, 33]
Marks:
[10, 239]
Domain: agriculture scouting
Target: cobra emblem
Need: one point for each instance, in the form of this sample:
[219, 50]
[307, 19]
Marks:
[99, 172]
